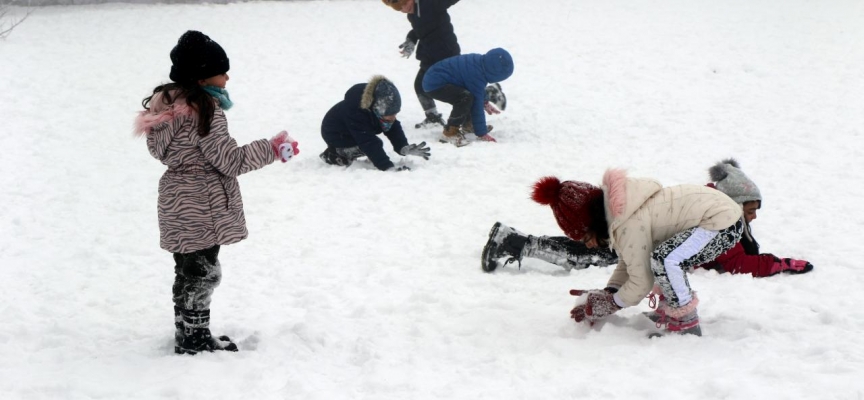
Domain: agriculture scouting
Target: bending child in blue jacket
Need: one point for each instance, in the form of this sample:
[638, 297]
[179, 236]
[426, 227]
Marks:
[351, 127]
[461, 81]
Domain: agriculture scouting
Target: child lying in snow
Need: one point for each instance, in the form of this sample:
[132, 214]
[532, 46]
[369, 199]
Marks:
[743, 258]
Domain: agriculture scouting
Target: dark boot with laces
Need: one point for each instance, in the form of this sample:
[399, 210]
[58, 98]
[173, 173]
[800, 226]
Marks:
[504, 241]
[453, 134]
[432, 119]
[342, 157]
[330, 156]
[197, 336]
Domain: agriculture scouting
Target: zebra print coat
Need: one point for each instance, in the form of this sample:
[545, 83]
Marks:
[199, 197]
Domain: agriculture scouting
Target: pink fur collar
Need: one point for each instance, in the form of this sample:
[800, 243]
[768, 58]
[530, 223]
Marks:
[615, 181]
[159, 113]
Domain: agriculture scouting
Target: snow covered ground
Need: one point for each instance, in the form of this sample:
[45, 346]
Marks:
[360, 284]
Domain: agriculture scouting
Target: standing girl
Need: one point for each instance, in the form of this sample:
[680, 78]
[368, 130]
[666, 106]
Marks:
[199, 204]
[659, 234]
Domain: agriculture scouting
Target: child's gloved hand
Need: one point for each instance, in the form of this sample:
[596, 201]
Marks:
[419, 150]
[490, 109]
[487, 138]
[791, 266]
[599, 304]
[407, 48]
[284, 146]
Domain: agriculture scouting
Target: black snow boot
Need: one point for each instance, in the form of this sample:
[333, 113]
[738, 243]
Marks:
[504, 241]
[569, 254]
[178, 328]
[197, 337]
[343, 156]
[432, 119]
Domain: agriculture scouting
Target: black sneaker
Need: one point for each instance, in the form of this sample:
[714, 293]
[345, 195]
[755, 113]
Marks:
[431, 120]
[331, 156]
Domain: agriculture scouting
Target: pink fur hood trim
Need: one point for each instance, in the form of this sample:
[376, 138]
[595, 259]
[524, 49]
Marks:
[159, 113]
[615, 181]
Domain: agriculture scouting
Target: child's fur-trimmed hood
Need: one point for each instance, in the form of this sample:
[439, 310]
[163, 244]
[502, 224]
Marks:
[159, 113]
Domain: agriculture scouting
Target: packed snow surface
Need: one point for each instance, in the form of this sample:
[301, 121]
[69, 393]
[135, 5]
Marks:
[361, 284]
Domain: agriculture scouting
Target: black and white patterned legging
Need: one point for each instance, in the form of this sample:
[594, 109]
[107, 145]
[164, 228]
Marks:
[197, 274]
[679, 254]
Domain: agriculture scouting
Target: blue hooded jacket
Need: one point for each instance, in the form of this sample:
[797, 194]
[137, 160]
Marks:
[472, 72]
[352, 122]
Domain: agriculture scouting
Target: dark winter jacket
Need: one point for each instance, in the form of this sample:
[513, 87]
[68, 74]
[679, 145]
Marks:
[349, 124]
[199, 197]
[430, 25]
[744, 258]
[472, 72]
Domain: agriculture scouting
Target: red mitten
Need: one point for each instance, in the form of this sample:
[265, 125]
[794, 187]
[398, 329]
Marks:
[578, 312]
[284, 146]
[599, 304]
[487, 138]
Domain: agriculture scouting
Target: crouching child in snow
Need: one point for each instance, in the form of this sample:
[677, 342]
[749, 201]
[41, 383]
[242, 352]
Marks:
[744, 258]
[351, 127]
[199, 206]
[658, 233]
[461, 82]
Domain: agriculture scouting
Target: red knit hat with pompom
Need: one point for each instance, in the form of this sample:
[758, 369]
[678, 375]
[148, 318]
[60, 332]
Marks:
[570, 202]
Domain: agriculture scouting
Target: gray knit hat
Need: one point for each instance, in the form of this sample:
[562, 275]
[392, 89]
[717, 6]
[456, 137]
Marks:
[731, 180]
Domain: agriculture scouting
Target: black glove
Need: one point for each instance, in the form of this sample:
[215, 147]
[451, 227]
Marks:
[419, 150]
[407, 48]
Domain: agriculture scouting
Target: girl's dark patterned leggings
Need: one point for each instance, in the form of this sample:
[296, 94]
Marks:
[196, 275]
[679, 254]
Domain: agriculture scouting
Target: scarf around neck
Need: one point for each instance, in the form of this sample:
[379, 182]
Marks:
[221, 95]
